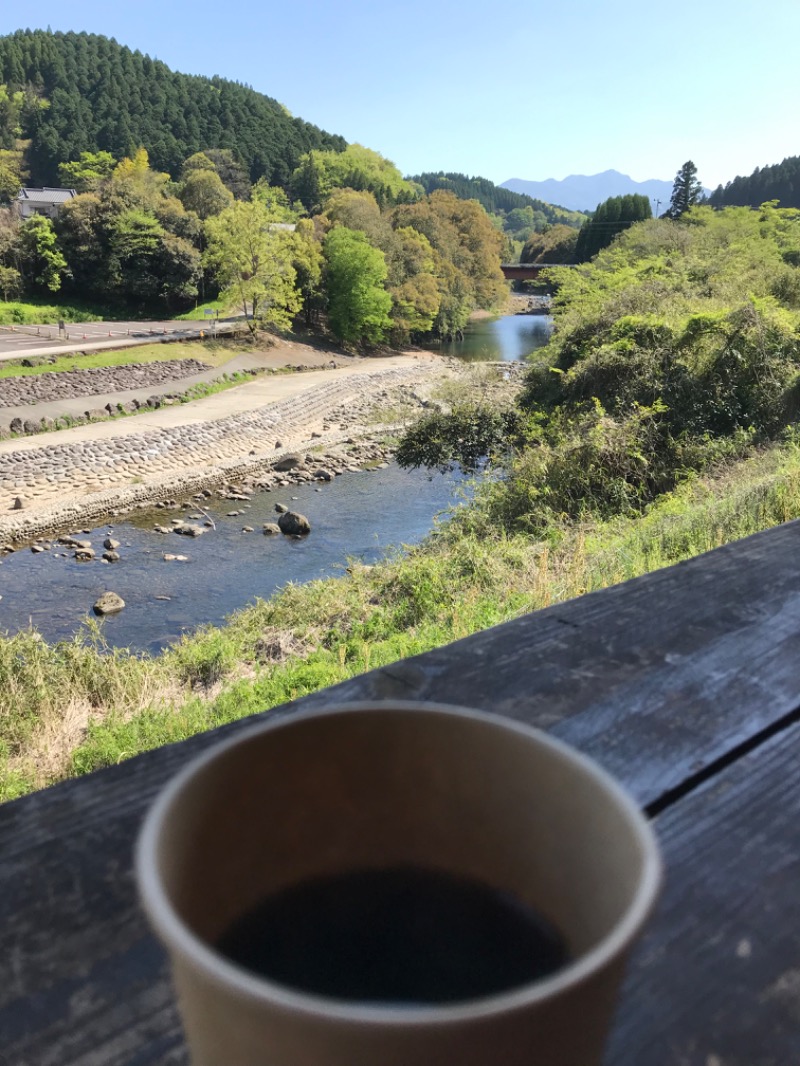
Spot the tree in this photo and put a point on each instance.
(87, 172)
(319, 173)
(556, 245)
(204, 193)
(686, 190)
(42, 262)
(611, 217)
(254, 261)
(358, 303)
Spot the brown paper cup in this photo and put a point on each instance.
(382, 785)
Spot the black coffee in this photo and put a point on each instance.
(402, 935)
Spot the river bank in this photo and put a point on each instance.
(102, 469)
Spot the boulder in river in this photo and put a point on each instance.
(187, 529)
(281, 508)
(271, 527)
(84, 555)
(109, 603)
(111, 544)
(111, 556)
(292, 523)
(292, 461)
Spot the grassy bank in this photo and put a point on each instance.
(75, 706)
(214, 353)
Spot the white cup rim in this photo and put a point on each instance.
(181, 940)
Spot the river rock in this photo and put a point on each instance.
(292, 524)
(85, 555)
(111, 556)
(111, 544)
(323, 474)
(281, 508)
(109, 603)
(292, 461)
(271, 527)
(187, 529)
(247, 529)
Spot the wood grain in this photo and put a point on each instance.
(716, 981)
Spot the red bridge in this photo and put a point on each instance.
(527, 271)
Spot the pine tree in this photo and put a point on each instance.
(686, 190)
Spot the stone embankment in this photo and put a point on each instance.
(44, 388)
(47, 489)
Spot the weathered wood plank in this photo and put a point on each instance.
(655, 678)
(717, 979)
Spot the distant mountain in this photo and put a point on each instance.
(86, 93)
(495, 198)
(583, 192)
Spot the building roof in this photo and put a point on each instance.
(47, 196)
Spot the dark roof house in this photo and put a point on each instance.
(43, 201)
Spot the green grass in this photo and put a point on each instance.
(215, 353)
(35, 312)
(123, 704)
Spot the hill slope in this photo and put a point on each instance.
(583, 192)
(103, 96)
(494, 198)
(779, 182)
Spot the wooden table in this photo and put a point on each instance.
(685, 684)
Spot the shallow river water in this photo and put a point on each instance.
(356, 516)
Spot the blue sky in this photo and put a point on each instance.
(533, 89)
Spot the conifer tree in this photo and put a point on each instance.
(686, 190)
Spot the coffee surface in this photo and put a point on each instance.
(404, 936)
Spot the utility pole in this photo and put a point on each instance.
(658, 204)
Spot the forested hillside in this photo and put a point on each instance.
(779, 182)
(518, 215)
(79, 92)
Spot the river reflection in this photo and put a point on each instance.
(507, 339)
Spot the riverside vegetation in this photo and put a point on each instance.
(659, 423)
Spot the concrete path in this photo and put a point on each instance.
(22, 342)
(262, 391)
(77, 406)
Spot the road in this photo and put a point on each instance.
(18, 342)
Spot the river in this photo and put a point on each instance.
(506, 339)
(356, 516)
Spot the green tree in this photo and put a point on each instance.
(359, 168)
(204, 193)
(555, 245)
(358, 303)
(307, 262)
(43, 265)
(10, 282)
(253, 261)
(10, 184)
(87, 172)
(686, 190)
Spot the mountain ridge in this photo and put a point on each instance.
(583, 192)
(99, 95)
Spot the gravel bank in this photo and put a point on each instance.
(56, 487)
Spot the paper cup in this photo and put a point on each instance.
(377, 786)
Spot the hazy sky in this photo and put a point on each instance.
(533, 89)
